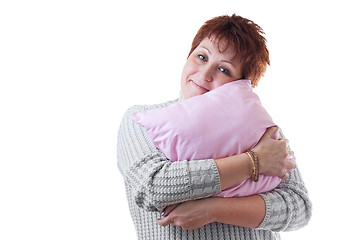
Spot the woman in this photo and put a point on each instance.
(225, 49)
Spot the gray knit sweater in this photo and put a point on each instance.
(152, 183)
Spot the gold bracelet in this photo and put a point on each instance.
(252, 160)
(256, 165)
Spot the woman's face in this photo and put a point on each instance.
(207, 68)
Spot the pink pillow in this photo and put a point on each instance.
(226, 121)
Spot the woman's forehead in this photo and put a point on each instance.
(222, 46)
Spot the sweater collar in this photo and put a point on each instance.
(181, 96)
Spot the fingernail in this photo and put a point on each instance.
(163, 213)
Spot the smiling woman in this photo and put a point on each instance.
(225, 49)
(206, 64)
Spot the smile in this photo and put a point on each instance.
(200, 87)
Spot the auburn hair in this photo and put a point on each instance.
(245, 36)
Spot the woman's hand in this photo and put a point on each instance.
(189, 215)
(244, 211)
(274, 155)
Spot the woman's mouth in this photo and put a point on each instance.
(198, 86)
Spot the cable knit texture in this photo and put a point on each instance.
(152, 183)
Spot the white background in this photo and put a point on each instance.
(69, 69)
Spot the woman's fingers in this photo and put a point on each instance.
(270, 132)
(275, 156)
(286, 141)
(168, 210)
(291, 154)
(290, 165)
(290, 162)
(165, 221)
(285, 175)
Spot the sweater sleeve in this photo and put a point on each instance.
(154, 180)
(288, 206)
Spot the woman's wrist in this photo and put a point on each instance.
(212, 207)
(256, 165)
(249, 165)
(213, 210)
(245, 211)
(234, 169)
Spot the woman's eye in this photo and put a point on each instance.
(225, 71)
(202, 57)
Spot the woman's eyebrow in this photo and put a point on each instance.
(221, 60)
(228, 62)
(206, 49)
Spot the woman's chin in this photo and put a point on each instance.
(191, 94)
(192, 90)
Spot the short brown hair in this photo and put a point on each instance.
(246, 37)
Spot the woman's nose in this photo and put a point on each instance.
(207, 73)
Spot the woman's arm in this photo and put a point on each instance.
(157, 182)
(273, 155)
(285, 208)
(245, 211)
